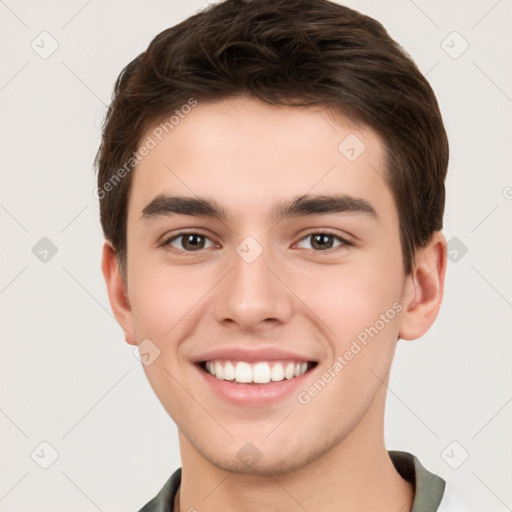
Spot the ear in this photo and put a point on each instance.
(424, 289)
(117, 293)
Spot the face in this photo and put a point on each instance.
(260, 284)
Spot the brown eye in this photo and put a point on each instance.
(324, 241)
(188, 242)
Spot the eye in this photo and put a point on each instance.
(324, 241)
(187, 242)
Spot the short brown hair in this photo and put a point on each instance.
(284, 52)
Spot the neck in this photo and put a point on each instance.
(357, 475)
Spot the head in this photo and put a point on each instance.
(242, 112)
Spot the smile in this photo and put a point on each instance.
(260, 372)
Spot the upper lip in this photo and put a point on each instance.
(241, 354)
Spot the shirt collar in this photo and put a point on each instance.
(428, 487)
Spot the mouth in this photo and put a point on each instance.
(259, 373)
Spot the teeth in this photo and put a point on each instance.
(243, 372)
(277, 372)
(219, 370)
(288, 373)
(229, 371)
(260, 373)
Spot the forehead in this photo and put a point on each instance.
(250, 156)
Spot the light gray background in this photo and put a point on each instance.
(69, 379)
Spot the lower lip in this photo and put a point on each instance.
(255, 395)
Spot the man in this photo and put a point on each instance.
(271, 184)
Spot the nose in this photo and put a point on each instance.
(254, 295)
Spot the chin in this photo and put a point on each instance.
(249, 460)
(274, 466)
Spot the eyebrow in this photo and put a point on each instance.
(306, 205)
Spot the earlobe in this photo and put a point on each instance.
(117, 293)
(424, 289)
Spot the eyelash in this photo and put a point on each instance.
(167, 242)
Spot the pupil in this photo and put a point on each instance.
(322, 241)
(193, 241)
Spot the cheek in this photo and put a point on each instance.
(360, 307)
(361, 310)
(348, 299)
(164, 300)
(161, 296)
